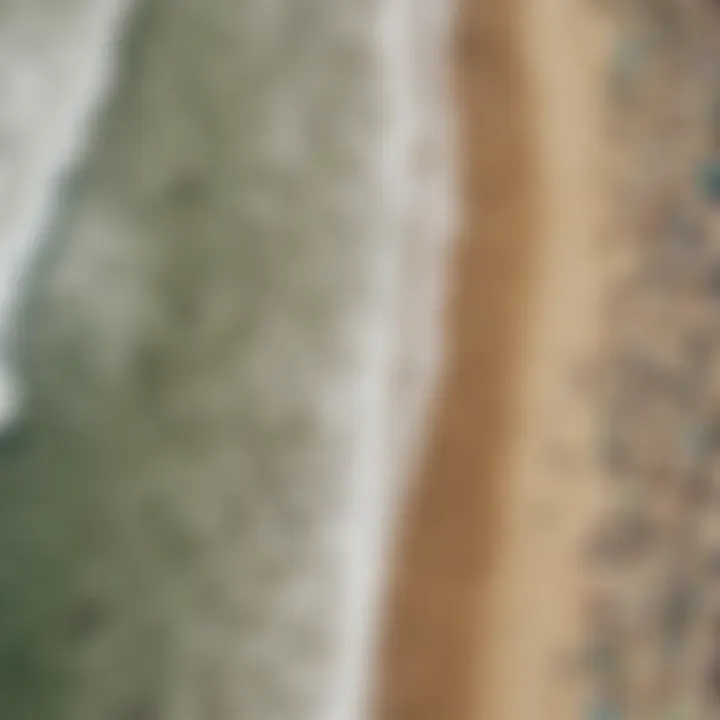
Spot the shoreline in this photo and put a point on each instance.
(448, 542)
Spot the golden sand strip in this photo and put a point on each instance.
(431, 654)
(550, 496)
(488, 590)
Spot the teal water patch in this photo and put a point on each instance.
(708, 181)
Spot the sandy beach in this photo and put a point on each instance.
(487, 596)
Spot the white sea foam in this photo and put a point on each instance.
(55, 66)
(414, 38)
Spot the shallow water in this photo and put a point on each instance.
(198, 494)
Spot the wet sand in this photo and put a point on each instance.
(450, 538)
(486, 596)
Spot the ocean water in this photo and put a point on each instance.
(221, 277)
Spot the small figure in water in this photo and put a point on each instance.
(9, 399)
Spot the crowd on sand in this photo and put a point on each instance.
(653, 563)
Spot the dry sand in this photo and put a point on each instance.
(537, 591)
(488, 591)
